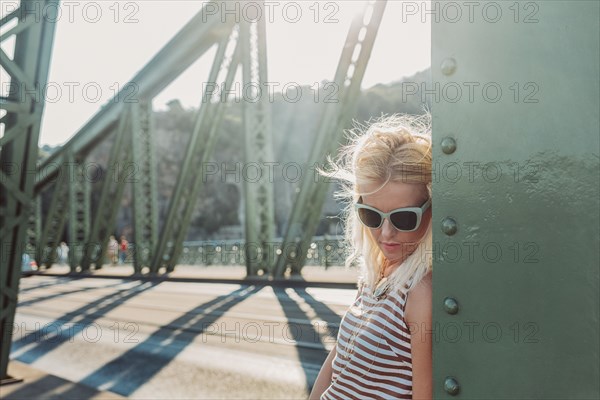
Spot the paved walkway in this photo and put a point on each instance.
(38, 384)
(310, 275)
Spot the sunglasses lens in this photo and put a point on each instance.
(404, 220)
(369, 217)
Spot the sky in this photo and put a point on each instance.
(100, 45)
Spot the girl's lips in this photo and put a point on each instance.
(390, 246)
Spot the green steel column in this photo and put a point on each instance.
(56, 216)
(516, 201)
(118, 173)
(258, 194)
(202, 141)
(28, 71)
(145, 211)
(34, 227)
(307, 208)
(79, 209)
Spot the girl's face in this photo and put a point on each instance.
(396, 245)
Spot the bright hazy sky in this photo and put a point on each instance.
(126, 35)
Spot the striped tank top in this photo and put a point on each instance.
(373, 359)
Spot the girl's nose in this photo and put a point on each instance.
(387, 229)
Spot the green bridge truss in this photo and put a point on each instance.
(516, 168)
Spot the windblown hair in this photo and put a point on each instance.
(394, 148)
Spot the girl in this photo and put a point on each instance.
(383, 348)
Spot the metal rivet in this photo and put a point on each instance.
(449, 226)
(448, 145)
(451, 386)
(450, 305)
(448, 66)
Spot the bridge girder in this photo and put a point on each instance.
(28, 71)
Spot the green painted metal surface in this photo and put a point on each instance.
(522, 187)
(145, 207)
(34, 227)
(259, 217)
(28, 69)
(79, 211)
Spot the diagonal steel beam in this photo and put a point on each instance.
(111, 193)
(56, 217)
(307, 208)
(203, 31)
(203, 139)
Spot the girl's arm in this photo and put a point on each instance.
(325, 374)
(418, 315)
(324, 378)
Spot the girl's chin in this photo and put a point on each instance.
(392, 255)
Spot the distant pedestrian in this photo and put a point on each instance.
(113, 250)
(123, 249)
(63, 253)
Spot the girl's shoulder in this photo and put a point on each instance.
(426, 279)
(419, 300)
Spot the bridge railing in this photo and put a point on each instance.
(327, 250)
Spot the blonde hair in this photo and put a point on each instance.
(394, 148)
